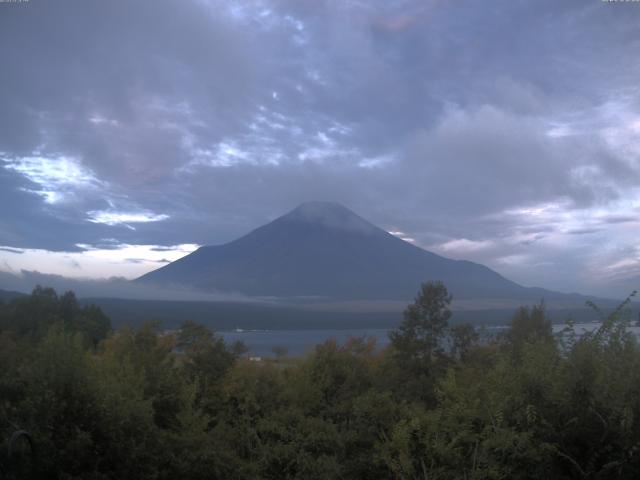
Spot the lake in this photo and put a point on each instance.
(299, 342)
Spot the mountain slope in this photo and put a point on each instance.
(7, 295)
(325, 250)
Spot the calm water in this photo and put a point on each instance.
(299, 342)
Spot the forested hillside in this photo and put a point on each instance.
(80, 401)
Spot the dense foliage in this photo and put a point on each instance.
(78, 401)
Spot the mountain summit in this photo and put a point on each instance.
(325, 250)
(329, 215)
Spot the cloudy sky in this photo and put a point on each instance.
(505, 132)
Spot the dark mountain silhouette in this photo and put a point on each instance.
(7, 295)
(325, 250)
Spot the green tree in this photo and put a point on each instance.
(425, 324)
(32, 316)
(207, 358)
(463, 338)
(530, 324)
(417, 345)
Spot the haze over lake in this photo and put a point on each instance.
(300, 342)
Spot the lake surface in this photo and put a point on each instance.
(298, 342)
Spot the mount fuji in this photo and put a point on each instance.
(323, 250)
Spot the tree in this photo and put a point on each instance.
(207, 358)
(463, 338)
(32, 316)
(417, 357)
(528, 325)
(425, 323)
(92, 323)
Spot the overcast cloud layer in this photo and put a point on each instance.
(504, 132)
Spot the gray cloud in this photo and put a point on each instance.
(12, 250)
(583, 231)
(499, 130)
(620, 219)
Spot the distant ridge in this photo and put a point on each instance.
(323, 250)
(7, 295)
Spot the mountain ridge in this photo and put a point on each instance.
(324, 250)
